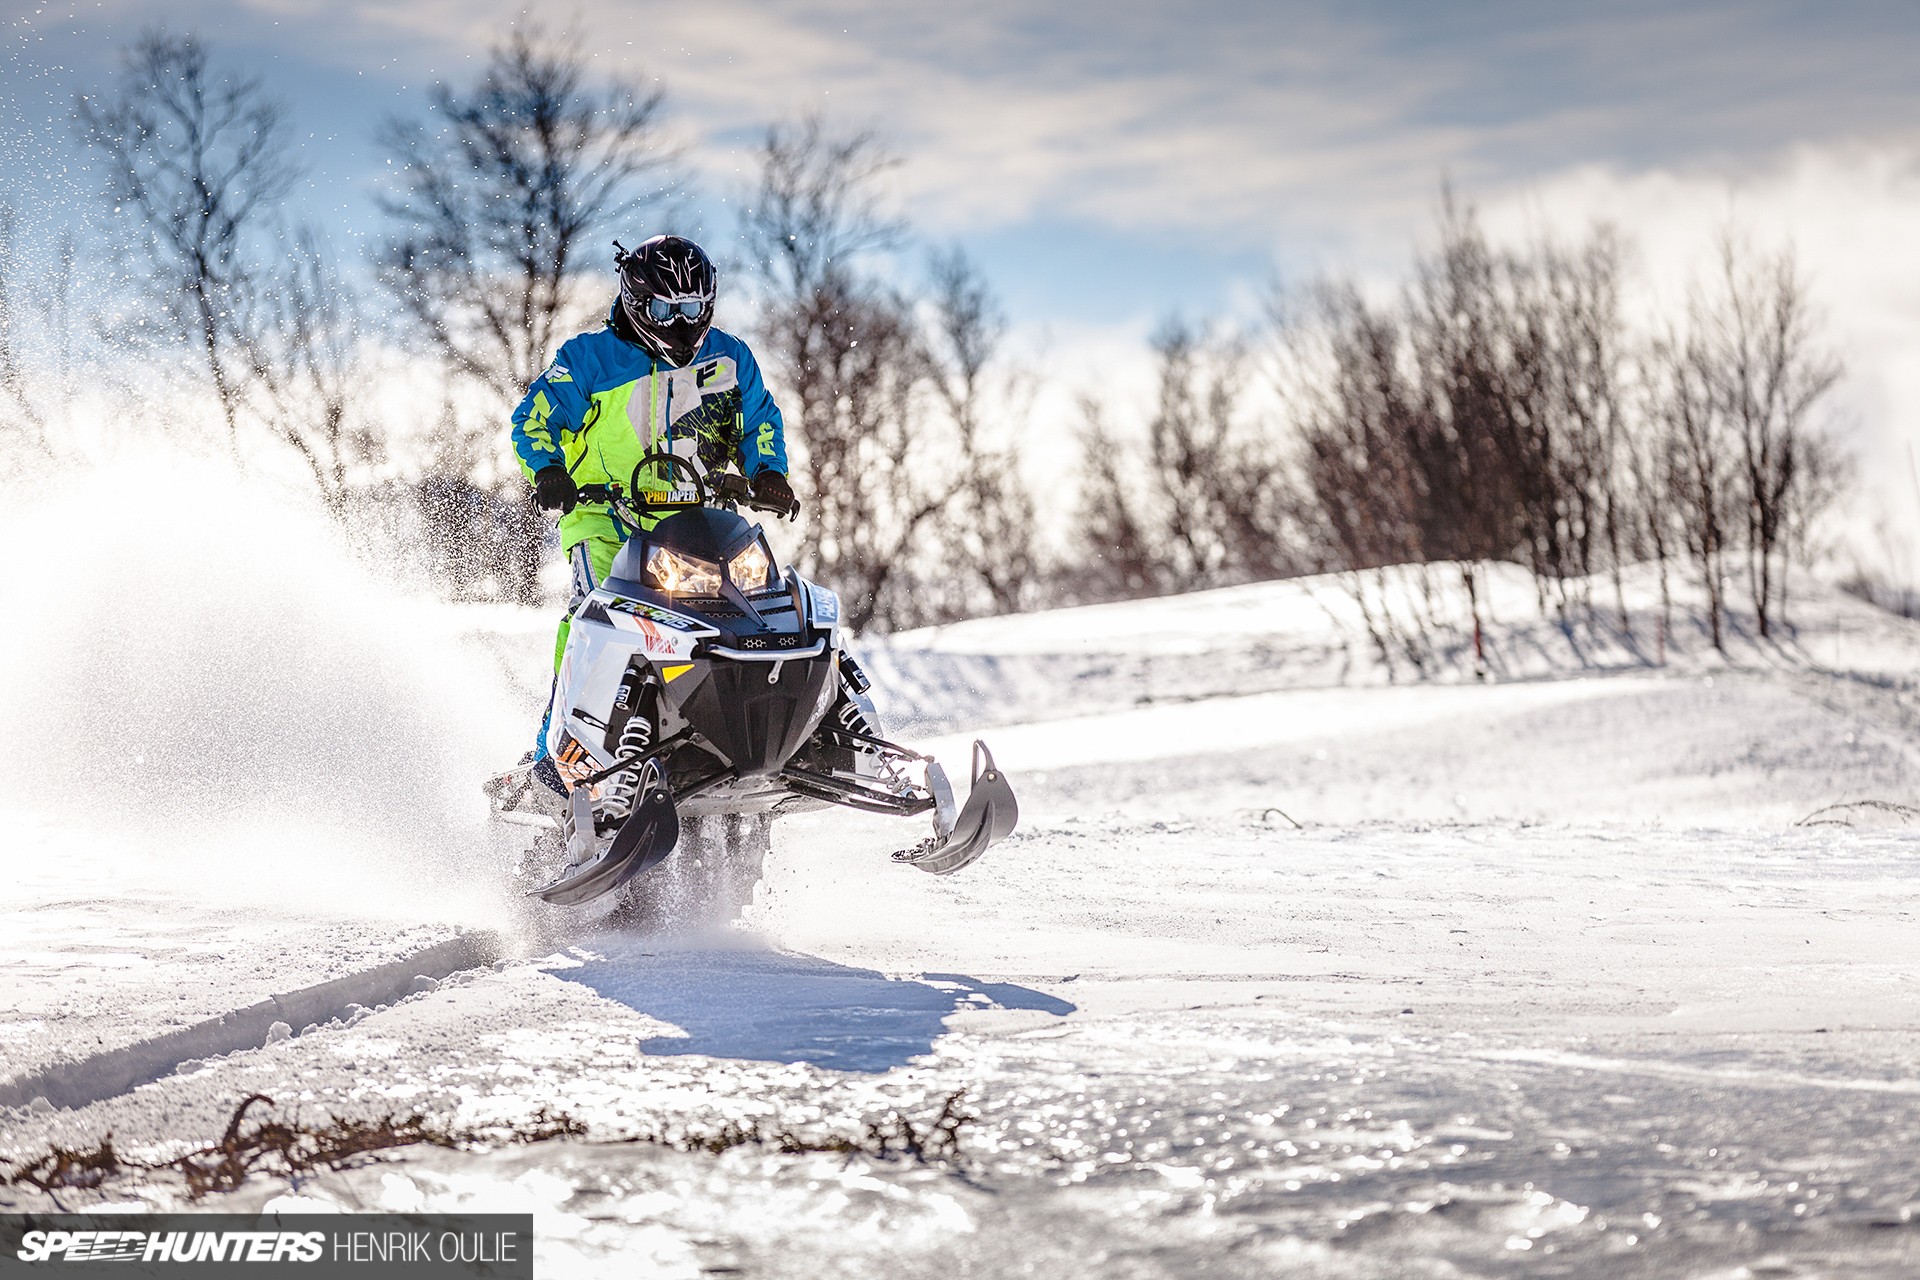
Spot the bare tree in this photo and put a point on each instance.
(1505, 411)
(1187, 446)
(1654, 461)
(310, 367)
(874, 484)
(1484, 419)
(500, 191)
(816, 209)
(1701, 452)
(1126, 557)
(1205, 501)
(1376, 467)
(1486, 433)
(1732, 420)
(198, 162)
(1767, 374)
(1590, 354)
(987, 535)
(847, 353)
(1823, 476)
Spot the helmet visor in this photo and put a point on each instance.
(664, 310)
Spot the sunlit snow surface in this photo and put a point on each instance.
(1290, 970)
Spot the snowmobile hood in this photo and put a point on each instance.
(704, 533)
(710, 534)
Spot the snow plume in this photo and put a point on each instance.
(196, 669)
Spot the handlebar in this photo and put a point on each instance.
(726, 490)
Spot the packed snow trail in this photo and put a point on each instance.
(1355, 1051)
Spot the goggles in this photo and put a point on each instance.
(661, 310)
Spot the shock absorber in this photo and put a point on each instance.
(636, 740)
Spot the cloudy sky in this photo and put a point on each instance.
(1110, 164)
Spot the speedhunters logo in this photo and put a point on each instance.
(172, 1246)
(313, 1246)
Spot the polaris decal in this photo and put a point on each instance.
(663, 643)
(653, 613)
(654, 640)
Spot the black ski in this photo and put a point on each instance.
(643, 842)
(988, 816)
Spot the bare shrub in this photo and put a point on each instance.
(288, 1147)
(1502, 410)
(1204, 501)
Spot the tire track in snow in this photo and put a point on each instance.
(76, 1083)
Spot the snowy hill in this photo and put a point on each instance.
(1311, 633)
(1297, 964)
(1273, 695)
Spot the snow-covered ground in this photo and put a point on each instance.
(1291, 969)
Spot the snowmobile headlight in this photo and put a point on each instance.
(752, 568)
(679, 575)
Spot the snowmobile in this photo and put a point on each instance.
(704, 691)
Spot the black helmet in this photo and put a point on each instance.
(666, 290)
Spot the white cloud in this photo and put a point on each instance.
(1235, 116)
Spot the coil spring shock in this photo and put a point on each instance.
(617, 793)
(853, 715)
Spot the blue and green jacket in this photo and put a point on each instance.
(604, 402)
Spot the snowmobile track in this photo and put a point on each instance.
(79, 1082)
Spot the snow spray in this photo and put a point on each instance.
(193, 665)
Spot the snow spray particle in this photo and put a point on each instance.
(199, 670)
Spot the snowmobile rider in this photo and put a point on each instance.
(657, 376)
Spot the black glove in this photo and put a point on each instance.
(554, 490)
(770, 489)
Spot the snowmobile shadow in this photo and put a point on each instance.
(772, 1006)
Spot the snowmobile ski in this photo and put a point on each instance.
(988, 816)
(643, 842)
